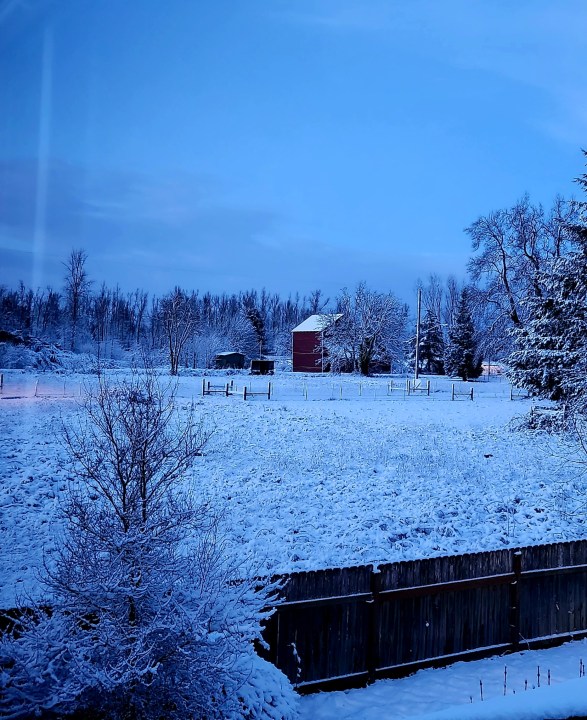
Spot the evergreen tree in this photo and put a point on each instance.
(549, 357)
(431, 351)
(461, 357)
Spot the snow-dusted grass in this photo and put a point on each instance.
(319, 482)
(454, 692)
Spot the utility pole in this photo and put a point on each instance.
(416, 373)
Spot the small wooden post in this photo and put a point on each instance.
(471, 393)
(515, 600)
(1, 382)
(452, 397)
(36, 387)
(373, 632)
(341, 391)
(428, 388)
(226, 389)
(245, 393)
(64, 388)
(269, 392)
(408, 386)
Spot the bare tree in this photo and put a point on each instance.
(316, 302)
(149, 616)
(512, 246)
(372, 328)
(77, 286)
(432, 295)
(451, 301)
(138, 300)
(179, 321)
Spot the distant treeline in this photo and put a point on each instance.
(523, 302)
(84, 317)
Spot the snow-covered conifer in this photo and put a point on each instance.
(431, 350)
(549, 357)
(461, 356)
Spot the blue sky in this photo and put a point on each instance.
(230, 144)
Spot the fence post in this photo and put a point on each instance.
(269, 392)
(36, 388)
(428, 387)
(515, 600)
(372, 659)
(452, 397)
(226, 389)
(471, 393)
(245, 393)
(1, 382)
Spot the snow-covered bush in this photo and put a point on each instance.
(146, 614)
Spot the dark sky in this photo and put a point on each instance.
(230, 144)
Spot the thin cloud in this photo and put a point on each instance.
(123, 220)
(536, 44)
(8, 8)
(339, 16)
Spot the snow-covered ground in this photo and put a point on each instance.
(336, 472)
(308, 480)
(454, 692)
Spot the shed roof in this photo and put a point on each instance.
(316, 323)
(229, 352)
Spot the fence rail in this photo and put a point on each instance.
(346, 627)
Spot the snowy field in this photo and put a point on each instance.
(336, 472)
(329, 472)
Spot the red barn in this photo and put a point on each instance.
(308, 354)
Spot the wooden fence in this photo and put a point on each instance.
(347, 627)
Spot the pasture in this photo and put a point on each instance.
(332, 471)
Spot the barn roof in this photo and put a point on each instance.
(316, 323)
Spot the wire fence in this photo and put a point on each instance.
(284, 387)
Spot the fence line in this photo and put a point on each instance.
(347, 627)
(383, 389)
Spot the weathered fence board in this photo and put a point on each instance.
(304, 631)
(348, 626)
